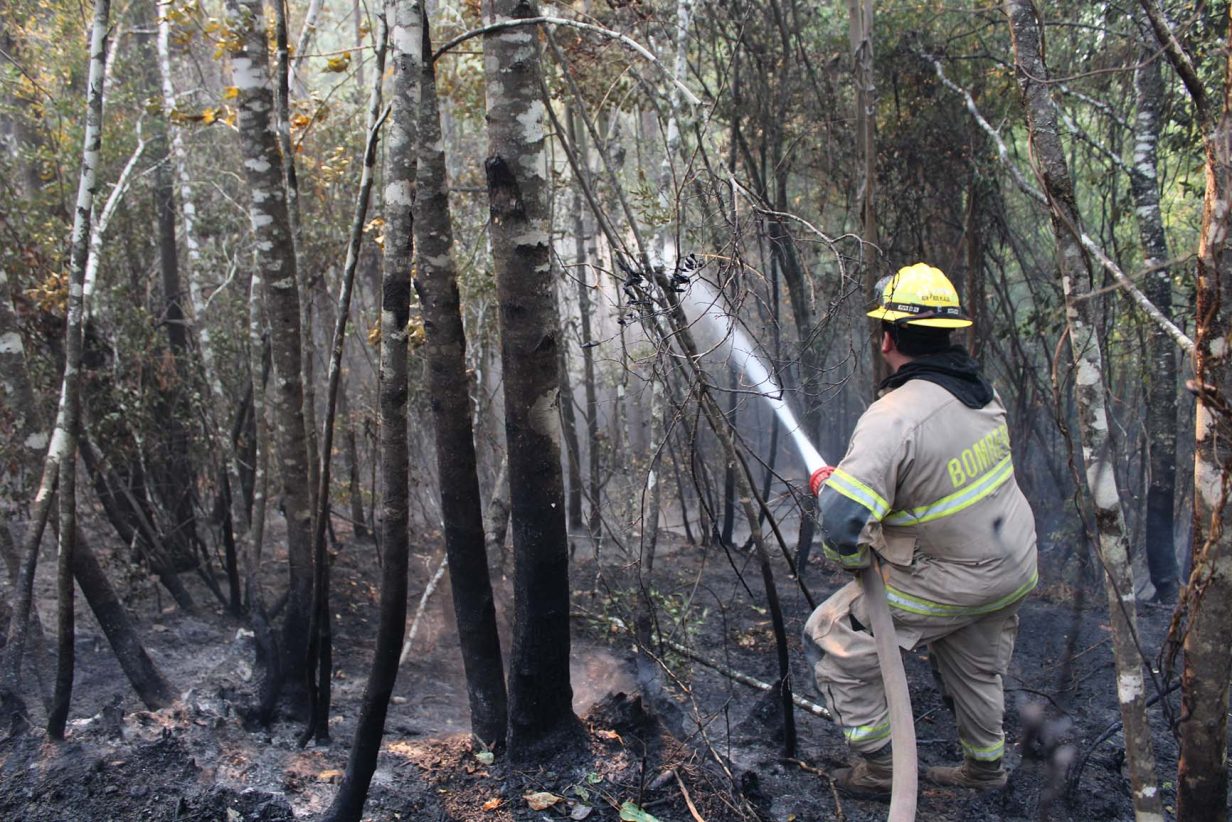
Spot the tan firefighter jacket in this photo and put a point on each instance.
(929, 483)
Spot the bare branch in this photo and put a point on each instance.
(1135, 294)
(624, 40)
(1179, 58)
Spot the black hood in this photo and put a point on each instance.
(953, 369)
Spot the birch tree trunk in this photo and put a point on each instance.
(1202, 779)
(586, 255)
(319, 651)
(176, 473)
(406, 41)
(27, 442)
(305, 40)
(64, 439)
(1082, 321)
(1161, 351)
(290, 180)
(193, 268)
(275, 257)
(445, 349)
(541, 718)
(30, 440)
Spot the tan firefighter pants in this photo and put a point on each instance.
(970, 652)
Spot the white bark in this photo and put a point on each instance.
(1123, 280)
(99, 226)
(1091, 397)
(188, 219)
(305, 40)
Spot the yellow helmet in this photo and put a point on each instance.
(919, 295)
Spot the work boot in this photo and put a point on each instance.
(983, 776)
(869, 774)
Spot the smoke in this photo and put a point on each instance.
(718, 330)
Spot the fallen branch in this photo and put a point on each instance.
(745, 679)
(423, 601)
(688, 800)
(1076, 773)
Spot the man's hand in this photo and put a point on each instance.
(856, 560)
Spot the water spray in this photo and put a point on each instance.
(717, 329)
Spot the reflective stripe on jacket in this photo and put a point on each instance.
(930, 484)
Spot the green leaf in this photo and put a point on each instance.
(632, 813)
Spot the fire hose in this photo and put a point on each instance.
(904, 787)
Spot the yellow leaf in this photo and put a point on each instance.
(300, 121)
(340, 63)
(329, 776)
(209, 115)
(541, 800)
(416, 334)
(230, 92)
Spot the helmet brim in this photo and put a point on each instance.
(906, 318)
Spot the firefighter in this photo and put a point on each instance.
(928, 483)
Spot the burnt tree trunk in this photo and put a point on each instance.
(64, 440)
(1161, 350)
(348, 804)
(249, 51)
(147, 680)
(448, 384)
(541, 718)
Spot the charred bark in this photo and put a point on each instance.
(1161, 351)
(64, 439)
(395, 313)
(541, 718)
(249, 51)
(445, 350)
(1202, 778)
(147, 680)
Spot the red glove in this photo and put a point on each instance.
(819, 478)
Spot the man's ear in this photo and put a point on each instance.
(887, 342)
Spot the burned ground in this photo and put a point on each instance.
(685, 743)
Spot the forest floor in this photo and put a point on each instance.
(710, 749)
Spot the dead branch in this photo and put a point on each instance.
(745, 679)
